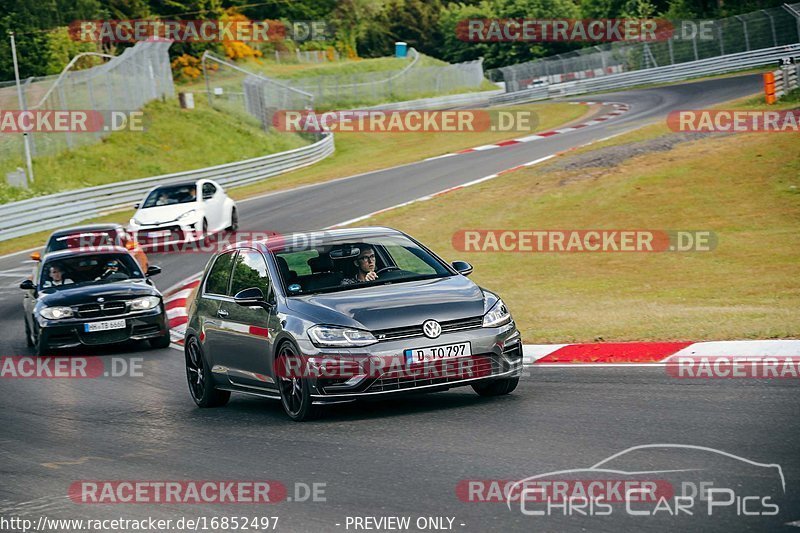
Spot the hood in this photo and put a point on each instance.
(393, 306)
(163, 213)
(81, 294)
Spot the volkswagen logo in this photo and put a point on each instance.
(431, 328)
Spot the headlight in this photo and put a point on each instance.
(497, 315)
(54, 313)
(333, 336)
(187, 214)
(144, 303)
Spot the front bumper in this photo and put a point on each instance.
(69, 333)
(153, 237)
(496, 353)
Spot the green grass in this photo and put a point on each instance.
(175, 140)
(746, 188)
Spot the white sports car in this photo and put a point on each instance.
(184, 211)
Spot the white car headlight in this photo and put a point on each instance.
(135, 222)
(144, 303)
(55, 313)
(497, 315)
(188, 214)
(333, 336)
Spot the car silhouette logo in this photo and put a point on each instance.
(431, 328)
(101, 300)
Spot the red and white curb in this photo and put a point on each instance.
(175, 300)
(619, 109)
(604, 354)
(652, 353)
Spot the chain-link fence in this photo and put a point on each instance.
(236, 90)
(691, 41)
(124, 83)
(248, 95)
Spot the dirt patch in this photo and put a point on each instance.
(612, 156)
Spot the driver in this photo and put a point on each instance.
(111, 272)
(365, 264)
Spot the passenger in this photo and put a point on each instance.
(57, 277)
(365, 264)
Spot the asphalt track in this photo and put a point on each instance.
(400, 457)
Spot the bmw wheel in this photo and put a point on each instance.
(201, 386)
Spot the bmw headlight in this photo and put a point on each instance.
(144, 303)
(55, 313)
(497, 315)
(188, 214)
(334, 336)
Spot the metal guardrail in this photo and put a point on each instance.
(439, 102)
(679, 72)
(57, 210)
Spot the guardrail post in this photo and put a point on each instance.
(796, 14)
(772, 25)
(744, 28)
(721, 41)
(694, 47)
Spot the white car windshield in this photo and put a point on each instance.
(171, 195)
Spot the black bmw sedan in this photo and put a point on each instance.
(337, 316)
(90, 297)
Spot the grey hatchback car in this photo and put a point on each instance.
(336, 316)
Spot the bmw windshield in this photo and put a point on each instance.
(311, 265)
(69, 271)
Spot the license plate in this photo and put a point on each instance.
(104, 326)
(165, 233)
(438, 353)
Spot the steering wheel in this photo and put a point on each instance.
(387, 269)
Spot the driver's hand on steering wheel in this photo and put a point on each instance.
(370, 276)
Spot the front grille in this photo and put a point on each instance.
(416, 330)
(99, 310)
(440, 373)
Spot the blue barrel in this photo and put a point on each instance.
(400, 49)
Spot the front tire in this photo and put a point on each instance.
(234, 220)
(497, 387)
(198, 374)
(295, 391)
(160, 342)
(28, 336)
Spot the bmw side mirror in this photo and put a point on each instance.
(152, 270)
(252, 297)
(463, 268)
(27, 285)
(36, 256)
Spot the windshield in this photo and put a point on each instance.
(170, 195)
(90, 268)
(83, 240)
(338, 265)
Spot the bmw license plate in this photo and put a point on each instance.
(104, 326)
(438, 353)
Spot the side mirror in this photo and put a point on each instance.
(36, 256)
(463, 268)
(152, 270)
(27, 285)
(252, 297)
(136, 205)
